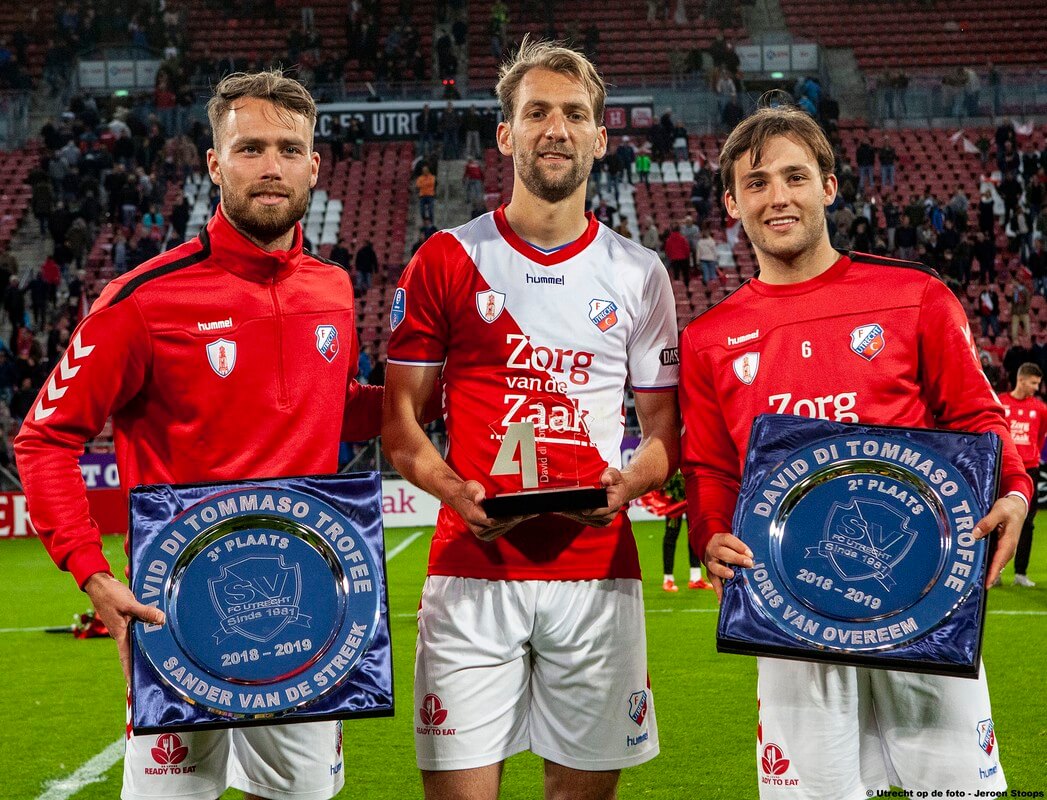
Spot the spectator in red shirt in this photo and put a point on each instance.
(678, 253)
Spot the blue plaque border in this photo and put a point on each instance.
(366, 692)
(951, 648)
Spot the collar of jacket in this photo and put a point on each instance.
(234, 252)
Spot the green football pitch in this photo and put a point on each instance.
(62, 700)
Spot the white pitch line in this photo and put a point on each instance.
(95, 769)
(91, 772)
(403, 546)
(716, 611)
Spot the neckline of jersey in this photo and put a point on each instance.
(237, 254)
(803, 287)
(554, 258)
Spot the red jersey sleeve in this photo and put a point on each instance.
(104, 367)
(956, 390)
(420, 328)
(709, 458)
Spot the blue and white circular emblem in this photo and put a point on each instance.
(861, 543)
(272, 599)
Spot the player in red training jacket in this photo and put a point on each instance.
(228, 358)
(849, 338)
(1027, 416)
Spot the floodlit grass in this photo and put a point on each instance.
(62, 700)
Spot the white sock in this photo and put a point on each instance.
(667, 578)
(696, 574)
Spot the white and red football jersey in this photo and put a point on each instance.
(550, 338)
(871, 340)
(1028, 423)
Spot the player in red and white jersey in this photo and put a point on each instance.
(850, 338)
(1027, 416)
(531, 630)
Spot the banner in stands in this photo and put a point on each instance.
(399, 120)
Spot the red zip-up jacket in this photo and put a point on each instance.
(217, 361)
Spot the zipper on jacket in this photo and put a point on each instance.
(281, 379)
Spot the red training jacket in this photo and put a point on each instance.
(217, 361)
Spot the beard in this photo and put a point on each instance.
(264, 223)
(556, 187)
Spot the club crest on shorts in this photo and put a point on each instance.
(865, 539)
(327, 341)
(746, 366)
(169, 750)
(604, 314)
(221, 355)
(987, 736)
(638, 706)
(399, 310)
(868, 341)
(490, 305)
(253, 585)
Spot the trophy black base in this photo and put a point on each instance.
(545, 501)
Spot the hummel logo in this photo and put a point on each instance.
(748, 337)
(66, 370)
(217, 325)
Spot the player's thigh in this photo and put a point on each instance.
(281, 762)
(939, 731)
(592, 707)
(185, 765)
(564, 783)
(480, 783)
(472, 672)
(817, 737)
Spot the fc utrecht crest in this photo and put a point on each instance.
(868, 340)
(327, 341)
(221, 354)
(604, 314)
(746, 366)
(490, 305)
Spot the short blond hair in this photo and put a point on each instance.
(754, 131)
(555, 57)
(271, 85)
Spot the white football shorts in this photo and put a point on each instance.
(843, 733)
(555, 667)
(301, 761)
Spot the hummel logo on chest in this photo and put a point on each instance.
(217, 325)
(747, 337)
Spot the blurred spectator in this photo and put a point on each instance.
(366, 265)
(678, 254)
(426, 186)
(989, 312)
(1018, 296)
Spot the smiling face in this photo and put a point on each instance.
(781, 202)
(264, 163)
(553, 136)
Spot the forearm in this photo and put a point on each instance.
(412, 453)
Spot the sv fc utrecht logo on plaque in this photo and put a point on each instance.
(221, 355)
(746, 366)
(490, 305)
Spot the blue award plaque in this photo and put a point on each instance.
(275, 598)
(862, 546)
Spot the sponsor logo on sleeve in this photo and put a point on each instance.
(327, 341)
(670, 356)
(399, 309)
(490, 304)
(221, 355)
